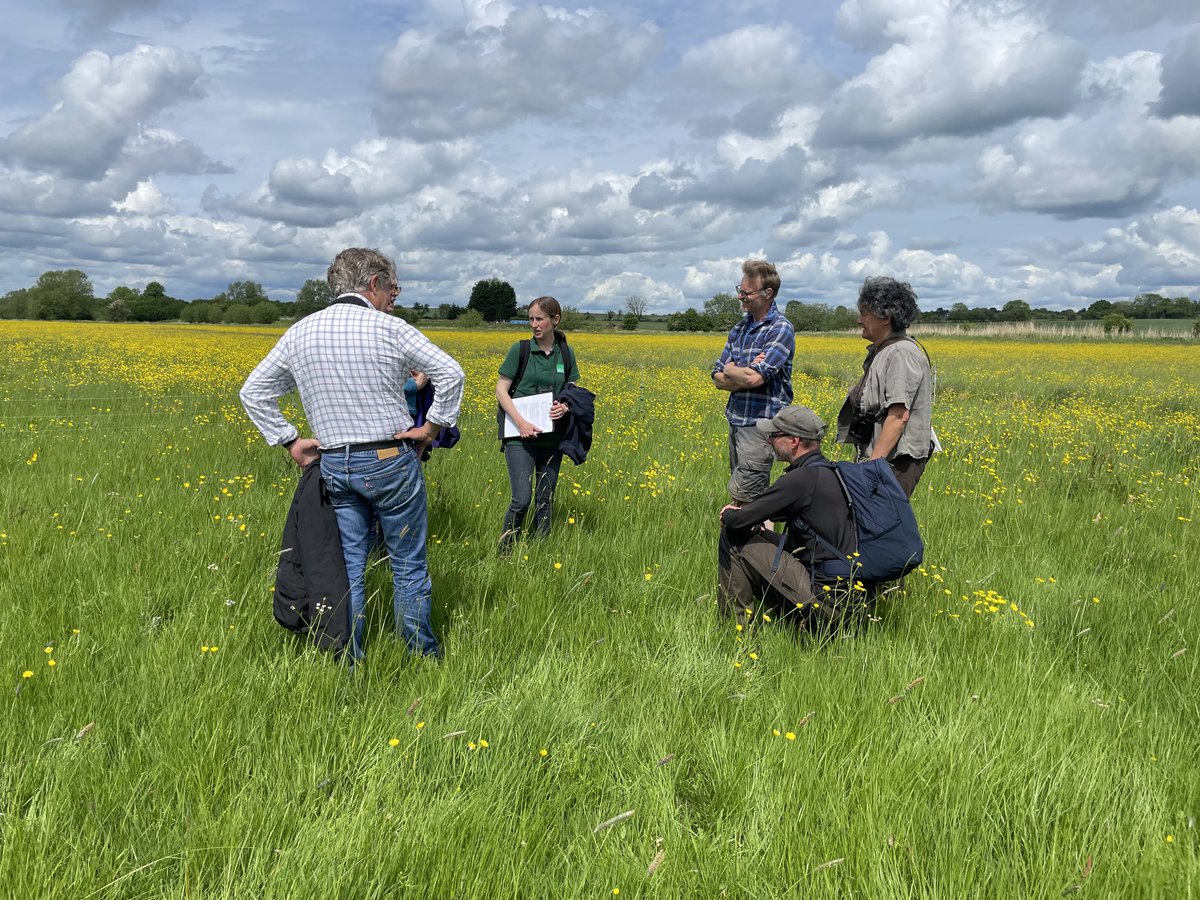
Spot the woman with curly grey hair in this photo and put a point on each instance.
(889, 412)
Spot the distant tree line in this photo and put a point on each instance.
(68, 294)
(723, 310)
(1143, 306)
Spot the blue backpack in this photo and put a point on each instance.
(889, 542)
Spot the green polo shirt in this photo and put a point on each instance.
(543, 372)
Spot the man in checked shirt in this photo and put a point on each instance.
(756, 369)
(349, 363)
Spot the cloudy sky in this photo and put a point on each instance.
(984, 151)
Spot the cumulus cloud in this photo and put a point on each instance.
(947, 68)
(577, 215)
(751, 61)
(1162, 248)
(104, 101)
(146, 200)
(536, 62)
(1111, 159)
(611, 292)
(1181, 78)
(832, 207)
(311, 192)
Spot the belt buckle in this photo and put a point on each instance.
(387, 452)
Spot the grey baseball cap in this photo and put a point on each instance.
(796, 420)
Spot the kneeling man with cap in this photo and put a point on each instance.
(756, 575)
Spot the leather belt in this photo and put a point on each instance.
(383, 449)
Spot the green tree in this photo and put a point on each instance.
(472, 318)
(1118, 323)
(1182, 308)
(724, 309)
(843, 317)
(689, 320)
(237, 314)
(493, 299)
(119, 303)
(959, 312)
(630, 322)
(15, 304)
(264, 312)
(153, 305)
(572, 319)
(808, 316)
(450, 311)
(63, 294)
(312, 297)
(248, 292)
(1016, 311)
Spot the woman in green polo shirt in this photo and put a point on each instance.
(533, 459)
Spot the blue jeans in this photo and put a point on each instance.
(363, 488)
(533, 475)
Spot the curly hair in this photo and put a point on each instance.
(353, 269)
(889, 299)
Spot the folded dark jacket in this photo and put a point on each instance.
(577, 435)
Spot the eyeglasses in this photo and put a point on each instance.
(777, 434)
(742, 295)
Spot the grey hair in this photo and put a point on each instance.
(353, 269)
(889, 299)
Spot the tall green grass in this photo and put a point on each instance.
(184, 745)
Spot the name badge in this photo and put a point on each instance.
(560, 369)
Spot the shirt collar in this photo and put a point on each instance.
(810, 456)
(772, 313)
(359, 296)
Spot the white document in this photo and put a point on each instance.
(534, 409)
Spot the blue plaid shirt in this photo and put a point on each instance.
(775, 337)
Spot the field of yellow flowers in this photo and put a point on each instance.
(1021, 721)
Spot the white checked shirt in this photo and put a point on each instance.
(349, 362)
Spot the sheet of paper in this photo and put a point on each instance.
(535, 410)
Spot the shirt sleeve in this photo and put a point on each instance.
(269, 381)
(444, 373)
(781, 345)
(770, 504)
(725, 356)
(508, 368)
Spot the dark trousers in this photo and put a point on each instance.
(908, 471)
(746, 586)
(533, 475)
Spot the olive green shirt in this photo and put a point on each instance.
(543, 372)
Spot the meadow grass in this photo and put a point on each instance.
(1019, 722)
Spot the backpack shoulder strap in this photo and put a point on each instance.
(522, 362)
(567, 356)
(803, 524)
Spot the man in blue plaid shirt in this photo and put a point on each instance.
(756, 368)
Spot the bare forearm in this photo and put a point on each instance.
(889, 433)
